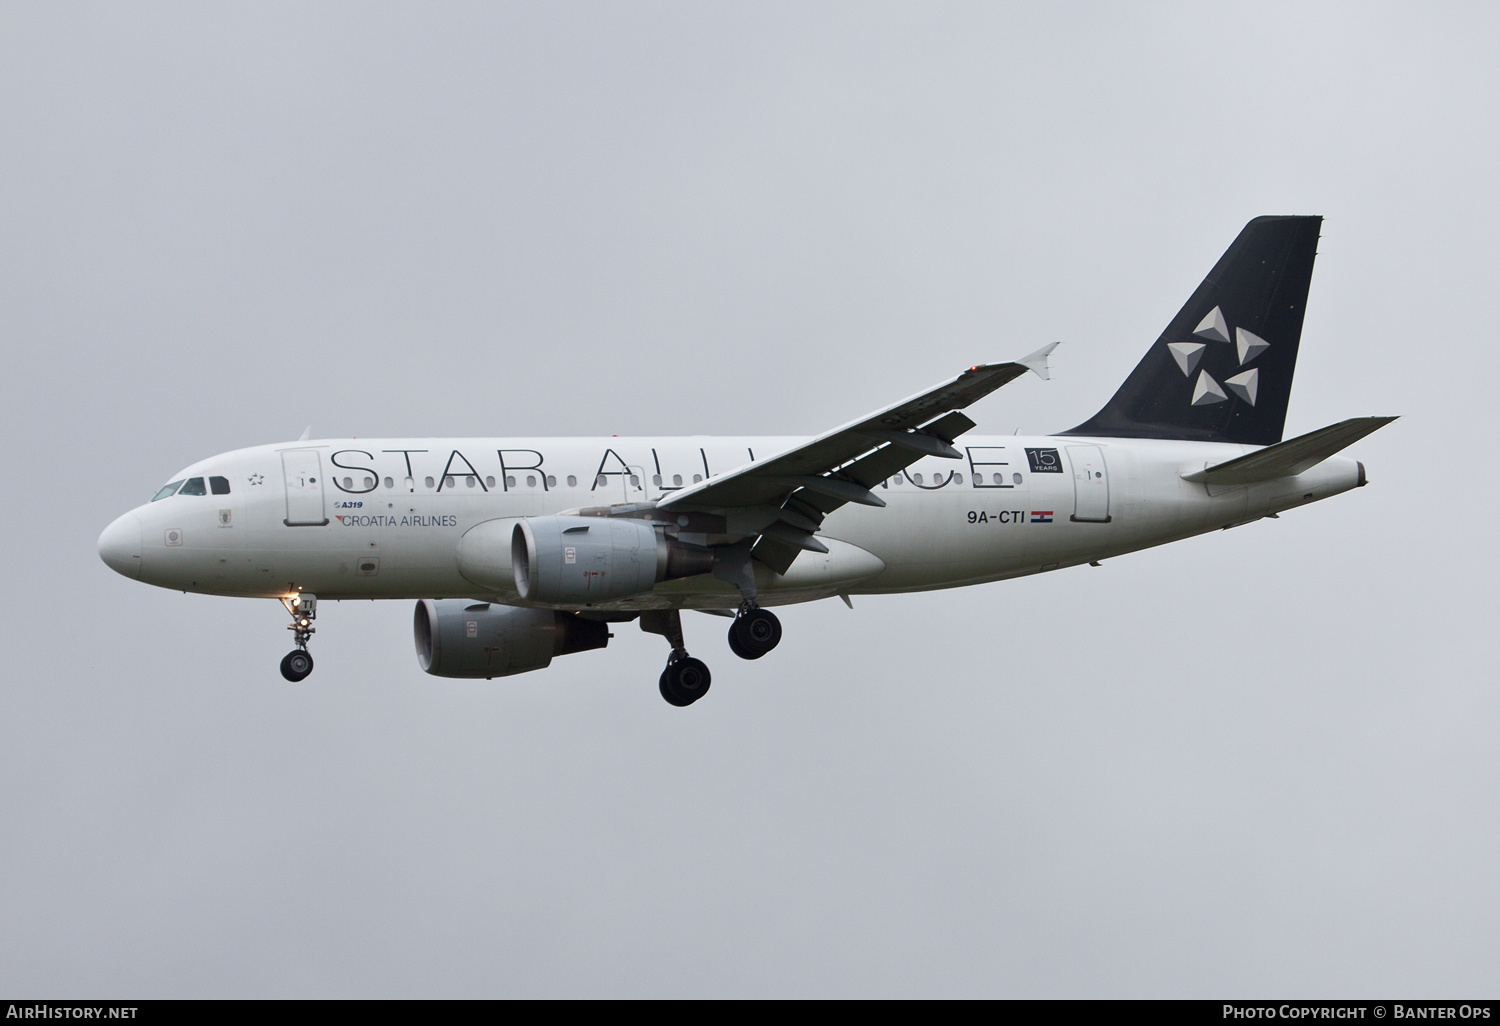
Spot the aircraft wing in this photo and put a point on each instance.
(785, 498)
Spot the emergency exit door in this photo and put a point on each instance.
(1090, 484)
(304, 488)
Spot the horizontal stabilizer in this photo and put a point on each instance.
(1292, 457)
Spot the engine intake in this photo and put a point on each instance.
(460, 638)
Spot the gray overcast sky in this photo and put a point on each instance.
(1262, 762)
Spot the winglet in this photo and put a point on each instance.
(306, 434)
(1037, 362)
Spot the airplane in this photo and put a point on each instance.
(520, 550)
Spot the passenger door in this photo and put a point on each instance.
(1090, 484)
(302, 469)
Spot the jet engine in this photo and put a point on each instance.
(460, 638)
(567, 560)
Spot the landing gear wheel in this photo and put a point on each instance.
(296, 665)
(684, 681)
(670, 694)
(754, 634)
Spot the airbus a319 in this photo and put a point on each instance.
(520, 550)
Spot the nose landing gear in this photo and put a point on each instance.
(755, 632)
(298, 663)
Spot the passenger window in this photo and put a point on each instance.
(572, 481)
(551, 481)
(389, 483)
(468, 480)
(697, 478)
(429, 482)
(1016, 478)
(510, 480)
(917, 478)
(166, 490)
(193, 486)
(676, 480)
(958, 478)
(448, 481)
(489, 482)
(220, 485)
(369, 483)
(656, 480)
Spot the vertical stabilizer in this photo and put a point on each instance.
(1222, 371)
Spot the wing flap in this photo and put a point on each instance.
(899, 426)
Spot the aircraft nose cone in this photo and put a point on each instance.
(120, 546)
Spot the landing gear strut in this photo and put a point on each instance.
(755, 632)
(298, 663)
(685, 680)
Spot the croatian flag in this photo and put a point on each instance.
(1041, 516)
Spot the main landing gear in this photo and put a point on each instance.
(755, 632)
(685, 680)
(298, 663)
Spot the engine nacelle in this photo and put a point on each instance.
(460, 638)
(579, 560)
(484, 557)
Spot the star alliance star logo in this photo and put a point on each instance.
(256, 479)
(1207, 391)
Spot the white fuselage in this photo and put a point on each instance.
(385, 518)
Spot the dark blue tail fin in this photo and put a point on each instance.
(1222, 371)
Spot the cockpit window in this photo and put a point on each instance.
(167, 489)
(193, 486)
(220, 485)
